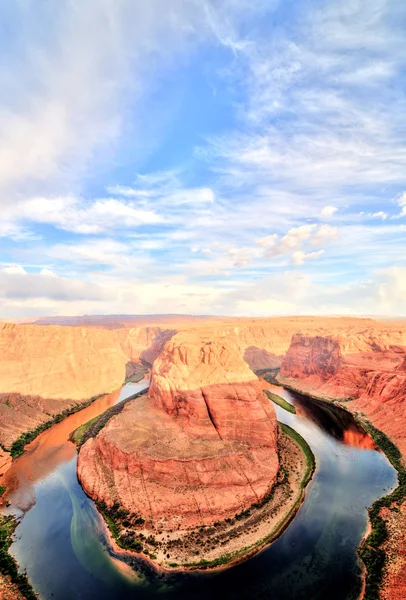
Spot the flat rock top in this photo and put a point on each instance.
(143, 429)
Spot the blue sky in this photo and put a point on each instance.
(235, 157)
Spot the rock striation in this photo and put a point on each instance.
(47, 369)
(376, 382)
(199, 449)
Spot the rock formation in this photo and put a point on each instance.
(47, 369)
(44, 369)
(202, 447)
(312, 355)
(376, 380)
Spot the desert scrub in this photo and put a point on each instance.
(371, 551)
(118, 521)
(91, 428)
(281, 402)
(8, 565)
(19, 444)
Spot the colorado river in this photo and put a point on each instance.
(61, 539)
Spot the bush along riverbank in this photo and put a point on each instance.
(8, 565)
(18, 446)
(281, 402)
(91, 428)
(372, 551)
(228, 542)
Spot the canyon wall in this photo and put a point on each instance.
(375, 381)
(47, 369)
(200, 448)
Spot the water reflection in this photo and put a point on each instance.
(61, 540)
(332, 419)
(52, 448)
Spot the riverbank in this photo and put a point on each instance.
(378, 551)
(281, 402)
(382, 551)
(92, 427)
(18, 446)
(223, 544)
(11, 581)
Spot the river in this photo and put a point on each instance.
(61, 539)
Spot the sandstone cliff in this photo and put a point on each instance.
(199, 449)
(47, 369)
(376, 380)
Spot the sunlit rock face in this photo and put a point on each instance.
(45, 370)
(375, 380)
(200, 448)
(309, 355)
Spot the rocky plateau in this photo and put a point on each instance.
(201, 447)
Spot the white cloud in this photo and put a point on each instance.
(324, 234)
(299, 257)
(293, 242)
(15, 269)
(380, 215)
(71, 214)
(328, 211)
(78, 79)
(16, 286)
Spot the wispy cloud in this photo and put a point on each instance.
(289, 199)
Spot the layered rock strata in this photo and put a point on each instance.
(376, 382)
(45, 370)
(200, 448)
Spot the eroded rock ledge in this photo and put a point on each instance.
(199, 449)
(189, 475)
(373, 385)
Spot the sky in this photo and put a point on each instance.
(227, 157)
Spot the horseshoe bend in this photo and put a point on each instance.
(209, 465)
(199, 454)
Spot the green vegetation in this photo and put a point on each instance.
(135, 372)
(371, 551)
(79, 433)
(247, 550)
(269, 375)
(91, 428)
(118, 521)
(310, 459)
(8, 565)
(281, 402)
(19, 444)
(312, 396)
(2, 490)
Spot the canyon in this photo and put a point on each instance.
(201, 447)
(48, 368)
(371, 385)
(204, 440)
